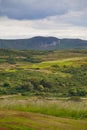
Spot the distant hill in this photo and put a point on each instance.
(43, 43)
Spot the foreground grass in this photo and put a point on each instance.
(60, 108)
(15, 120)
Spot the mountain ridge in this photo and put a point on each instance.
(43, 43)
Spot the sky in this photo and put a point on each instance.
(21, 19)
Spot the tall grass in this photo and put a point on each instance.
(60, 108)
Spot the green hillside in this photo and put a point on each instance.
(43, 90)
(45, 73)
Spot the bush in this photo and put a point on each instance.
(75, 98)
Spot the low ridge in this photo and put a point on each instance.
(43, 43)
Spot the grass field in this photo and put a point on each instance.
(15, 120)
(56, 107)
(24, 113)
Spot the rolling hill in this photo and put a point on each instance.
(43, 43)
(52, 73)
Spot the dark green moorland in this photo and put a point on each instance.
(43, 90)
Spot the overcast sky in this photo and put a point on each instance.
(28, 18)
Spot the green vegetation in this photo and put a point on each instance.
(32, 113)
(14, 120)
(43, 73)
(69, 108)
(43, 90)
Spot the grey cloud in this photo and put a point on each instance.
(77, 4)
(77, 18)
(72, 12)
(33, 9)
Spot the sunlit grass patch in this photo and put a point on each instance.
(66, 62)
(10, 70)
(61, 74)
(50, 63)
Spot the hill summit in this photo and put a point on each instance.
(43, 43)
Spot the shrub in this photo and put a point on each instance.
(75, 98)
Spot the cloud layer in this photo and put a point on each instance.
(37, 9)
(27, 18)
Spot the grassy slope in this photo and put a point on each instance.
(56, 64)
(17, 120)
(14, 120)
(48, 58)
(67, 62)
